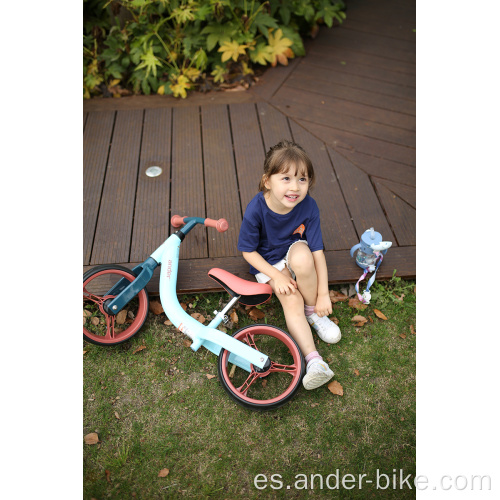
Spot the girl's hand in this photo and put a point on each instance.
(323, 306)
(284, 285)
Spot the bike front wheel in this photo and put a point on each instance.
(102, 328)
(275, 384)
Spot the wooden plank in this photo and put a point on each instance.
(398, 19)
(327, 106)
(188, 189)
(360, 197)
(401, 216)
(359, 64)
(114, 226)
(152, 205)
(369, 43)
(334, 57)
(221, 187)
(96, 140)
(354, 142)
(166, 101)
(249, 150)
(326, 77)
(381, 167)
(193, 277)
(344, 91)
(349, 124)
(399, 29)
(273, 124)
(336, 224)
(349, 94)
(405, 192)
(273, 79)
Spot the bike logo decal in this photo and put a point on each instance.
(169, 269)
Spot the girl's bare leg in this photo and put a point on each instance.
(296, 322)
(301, 261)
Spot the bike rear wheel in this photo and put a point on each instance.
(102, 328)
(274, 385)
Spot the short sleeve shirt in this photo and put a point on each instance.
(271, 234)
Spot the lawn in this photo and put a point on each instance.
(167, 429)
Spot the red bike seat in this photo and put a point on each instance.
(251, 293)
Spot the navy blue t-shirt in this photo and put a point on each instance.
(271, 234)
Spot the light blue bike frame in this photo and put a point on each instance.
(212, 339)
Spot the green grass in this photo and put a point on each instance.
(171, 415)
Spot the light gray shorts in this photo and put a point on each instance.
(264, 278)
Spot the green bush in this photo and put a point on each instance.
(169, 47)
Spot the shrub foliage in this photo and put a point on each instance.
(170, 47)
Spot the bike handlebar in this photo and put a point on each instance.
(221, 225)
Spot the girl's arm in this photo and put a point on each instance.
(323, 302)
(282, 283)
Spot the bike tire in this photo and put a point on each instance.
(286, 359)
(96, 282)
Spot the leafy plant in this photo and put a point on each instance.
(170, 47)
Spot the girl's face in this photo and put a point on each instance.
(286, 189)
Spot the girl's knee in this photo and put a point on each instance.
(301, 260)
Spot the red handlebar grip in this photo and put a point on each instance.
(221, 225)
(177, 221)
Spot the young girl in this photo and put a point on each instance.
(280, 238)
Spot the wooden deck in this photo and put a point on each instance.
(350, 102)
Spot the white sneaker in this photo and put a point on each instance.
(327, 330)
(318, 373)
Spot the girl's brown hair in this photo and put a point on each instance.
(279, 159)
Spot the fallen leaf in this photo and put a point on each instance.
(231, 373)
(84, 352)
(95, 320)
(163, 473)
(209, 376)
(314, 404)
(356, 372)
(234, 317)
(140, 348)
(359, 319)
(116, 415)
(108, 474)
(337, 296)
(336, 388)
(256, 314)
(168, 323)
(264, 383)
(402, 335)
(155, 307)
(412, 330)
(184, 306)
(187, 343)
(355, 302)
(121, 317)
(86, 313)
(198, 317)
(379, 314)
(91, 438)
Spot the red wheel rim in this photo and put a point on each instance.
(248, 335)
(112, 335)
